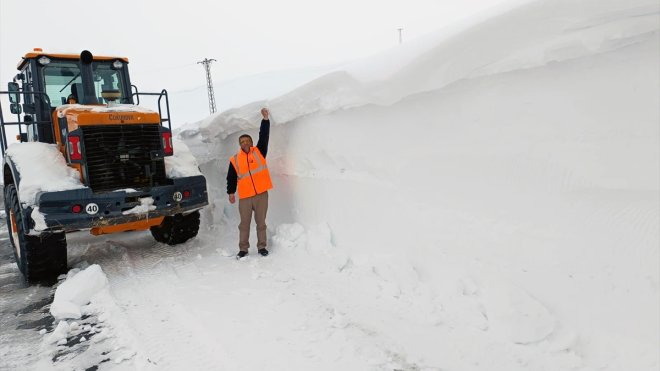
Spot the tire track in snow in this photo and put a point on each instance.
(169, 335)
(143, 277)
(335, 290)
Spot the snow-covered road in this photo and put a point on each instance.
(196, 307)
(23, 310)
(307, 306)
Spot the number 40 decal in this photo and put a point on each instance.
(92, 208)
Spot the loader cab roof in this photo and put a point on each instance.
(38, 53)
(61, 77)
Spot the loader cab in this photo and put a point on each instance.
(67, 79)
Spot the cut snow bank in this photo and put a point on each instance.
(76, 291)
(532, 35)
(517, 161)
(529, 36)
(189, 106)
(325, 94)
(42, 169)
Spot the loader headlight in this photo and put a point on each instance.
(117, 65)
(43, 61)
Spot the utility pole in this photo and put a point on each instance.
(400, 36)
(209, 83)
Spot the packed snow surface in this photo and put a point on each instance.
(484, 200)
(37, 162)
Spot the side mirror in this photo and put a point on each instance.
(15, 108)
(14, 96)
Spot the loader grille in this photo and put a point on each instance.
(120, 156)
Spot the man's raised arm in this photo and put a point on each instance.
(264, 132)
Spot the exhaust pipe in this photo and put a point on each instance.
(87, 76)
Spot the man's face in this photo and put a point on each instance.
(246, 144)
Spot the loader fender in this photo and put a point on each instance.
(11, 175)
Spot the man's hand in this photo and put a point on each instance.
(232, 198)
(264, 113)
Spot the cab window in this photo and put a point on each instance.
(64, 84)
(106, 78)
(62, 80)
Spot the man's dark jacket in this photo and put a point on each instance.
(262, 145)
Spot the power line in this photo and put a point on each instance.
(209, 83)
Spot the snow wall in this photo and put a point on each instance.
(513, 162)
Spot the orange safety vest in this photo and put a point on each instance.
(252, 171)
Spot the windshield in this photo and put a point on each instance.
(60, 77)
(106, 78)
(64, 84)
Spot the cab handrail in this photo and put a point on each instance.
(160, 96)
(3, 123)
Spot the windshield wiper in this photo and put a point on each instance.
(70, 81)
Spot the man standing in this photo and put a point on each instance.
(248, 172)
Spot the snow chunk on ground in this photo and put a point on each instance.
(182, 163)
(146, 205)
(38, 162)
(60, 332)
(77, 291)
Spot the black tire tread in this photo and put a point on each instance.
(177, 229)
(43, 257)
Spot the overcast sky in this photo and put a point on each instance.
(164, 42)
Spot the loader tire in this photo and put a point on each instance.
(40, 258)
(177, 229)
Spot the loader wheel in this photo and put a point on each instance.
(39, 258)
(177, 229)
